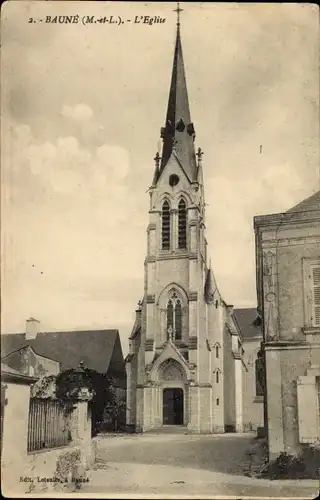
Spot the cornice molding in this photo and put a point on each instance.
(151, 298)
(289, 345)
(285, 219)
(193, 296)
(151, 227)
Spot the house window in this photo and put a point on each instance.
(166, 226)
(217, 401)
(174, 316)
(182, 225)
(217, 377)
(217, 351)
(312, 292)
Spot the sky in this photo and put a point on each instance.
(82, 108)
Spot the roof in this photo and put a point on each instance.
(10, 374)
(247, 322)
(94, 347)
(25, 345)
(308, 204)
(178, 129)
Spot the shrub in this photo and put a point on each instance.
(304, 466)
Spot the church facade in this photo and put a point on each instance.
(186, 361)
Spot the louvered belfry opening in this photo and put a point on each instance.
(166, 226)
(182, 225)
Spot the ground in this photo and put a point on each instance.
(178, 464)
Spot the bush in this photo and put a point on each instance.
(304, 466)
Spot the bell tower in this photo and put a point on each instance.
(176, 257)
(179, 323)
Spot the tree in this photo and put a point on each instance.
(84, 383)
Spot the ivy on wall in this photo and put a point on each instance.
(82, 384)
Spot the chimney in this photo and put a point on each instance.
(32, 328)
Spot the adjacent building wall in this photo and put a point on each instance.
(252, 403)
(286, 244)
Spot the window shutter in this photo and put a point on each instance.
(315, 280)
(307, 409)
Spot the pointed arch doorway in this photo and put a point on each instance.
(173, 406)
(173, 394)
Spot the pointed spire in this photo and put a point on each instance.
(178, 133)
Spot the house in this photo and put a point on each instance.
(250, 326)
(52, 352)
(186, 361)
(288, 289)
(48, 353)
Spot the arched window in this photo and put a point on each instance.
(174, 317)
(166, 226)
(217, 377)
(217, 351)
(259, 374)
(182, 225)
(169, 315)
(178, 320)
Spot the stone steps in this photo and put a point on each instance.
(169, 429)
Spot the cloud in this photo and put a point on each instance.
(74, 177)
(81, 112)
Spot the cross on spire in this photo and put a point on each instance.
(178, 10)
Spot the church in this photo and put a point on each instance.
(186, 363)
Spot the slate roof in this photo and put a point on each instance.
(94, 347)
(248, 324)
(178, 128)
(309, 204)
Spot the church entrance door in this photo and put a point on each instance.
(173, 406)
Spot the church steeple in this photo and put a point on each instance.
(178, 133)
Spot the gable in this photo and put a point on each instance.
(169, 352)
(173, 167)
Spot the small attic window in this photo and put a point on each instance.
(173, 180)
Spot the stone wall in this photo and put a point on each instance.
(60, 469)
(287, 245)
